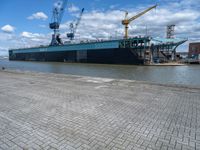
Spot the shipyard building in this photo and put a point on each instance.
(194, 50)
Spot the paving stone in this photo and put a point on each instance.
(52, 111)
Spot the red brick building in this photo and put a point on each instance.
(194, 50)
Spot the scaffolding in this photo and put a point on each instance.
(170, 32)
(152, 50)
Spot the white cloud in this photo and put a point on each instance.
(28, 34)
(35, 37)
(8, 29)
(24, 39)
(73, 8)
(3, 51)
(6, 37)
(38, 16)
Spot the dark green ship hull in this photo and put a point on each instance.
(103, 56)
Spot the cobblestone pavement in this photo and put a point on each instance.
(49, 111)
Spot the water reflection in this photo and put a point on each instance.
(188, 75)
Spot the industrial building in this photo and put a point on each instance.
(194, 50)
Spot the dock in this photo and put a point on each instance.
(167, 64)
(192, 61)
(54, 111)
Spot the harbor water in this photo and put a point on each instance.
(185, 75)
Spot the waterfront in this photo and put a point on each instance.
(186, 75)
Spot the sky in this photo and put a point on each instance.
(24, 23)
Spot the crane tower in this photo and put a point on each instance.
(73, 27)
(126, 21)
(57, 16)
(171, 31)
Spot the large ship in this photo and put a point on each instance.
(136, 50)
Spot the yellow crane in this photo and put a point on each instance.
(126, 21)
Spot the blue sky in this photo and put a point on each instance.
(25, 22)
(15, 12)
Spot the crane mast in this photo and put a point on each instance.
(126, 21)
(73, 27)
(57, 16)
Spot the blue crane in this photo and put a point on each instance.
(73, 27)
(57, 16)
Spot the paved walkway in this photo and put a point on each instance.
(49, 111)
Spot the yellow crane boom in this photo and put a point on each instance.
(126, 21)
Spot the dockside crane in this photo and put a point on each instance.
(126, 21)
(73, 27)
(57, 16)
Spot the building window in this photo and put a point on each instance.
(194, 49)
